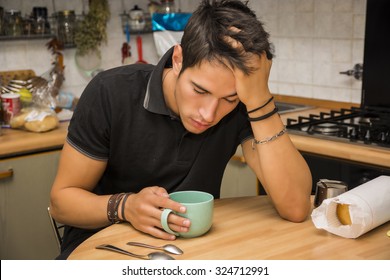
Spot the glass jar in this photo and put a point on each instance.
(39, 15)
(66, 24)
(167, 6)
(13, 23)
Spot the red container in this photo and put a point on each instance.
(11, 106)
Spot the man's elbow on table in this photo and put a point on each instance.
(296, 214)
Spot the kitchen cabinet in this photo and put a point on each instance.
(238, 179)
(25, 229)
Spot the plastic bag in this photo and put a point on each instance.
(168, 30)
(35, 119)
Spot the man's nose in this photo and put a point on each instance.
(209, 109)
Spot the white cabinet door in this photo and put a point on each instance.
(238, 179)
(25, 229)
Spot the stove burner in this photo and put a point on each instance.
(356, 125)
(329, 129)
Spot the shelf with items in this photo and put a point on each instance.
(26, 37)
(61, 24)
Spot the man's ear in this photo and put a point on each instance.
(177, 59)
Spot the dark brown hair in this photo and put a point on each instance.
(205, 35)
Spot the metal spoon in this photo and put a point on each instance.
(170, 248)
(151, 256)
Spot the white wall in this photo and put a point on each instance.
(314, 41)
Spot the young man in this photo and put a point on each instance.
(140, 132)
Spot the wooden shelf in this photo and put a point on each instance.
(26, 37)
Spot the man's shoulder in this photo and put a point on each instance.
(127, 71)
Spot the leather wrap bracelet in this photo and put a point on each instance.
(262, 106)
(113, 206)
(263, 117)
(123, 205)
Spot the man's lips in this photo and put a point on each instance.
(200, 124)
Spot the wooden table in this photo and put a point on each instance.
(247, 228)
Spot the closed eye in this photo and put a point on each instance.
(198, 91)
(231, 101)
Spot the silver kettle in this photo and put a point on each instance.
(327, 189)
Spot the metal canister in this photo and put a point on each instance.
(66, 24)
(328, 189)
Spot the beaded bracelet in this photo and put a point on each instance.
(262, 106)
(263, 117)
(268, 139)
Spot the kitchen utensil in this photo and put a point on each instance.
(328, 189)
(170, 248)
(151, 256)
(126, 48)
(139, 49)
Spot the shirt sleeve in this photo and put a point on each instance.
(89, 128)
(245, 132)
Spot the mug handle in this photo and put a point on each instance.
(164, 221)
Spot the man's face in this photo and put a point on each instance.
(204, 94)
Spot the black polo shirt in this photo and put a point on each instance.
(122, 118)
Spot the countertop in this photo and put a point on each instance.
(18, 142)
(15, 142)
(247, 228)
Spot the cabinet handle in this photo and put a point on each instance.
(6, 174)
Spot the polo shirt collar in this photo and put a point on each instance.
(154, 98)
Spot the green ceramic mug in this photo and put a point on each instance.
(200, 207)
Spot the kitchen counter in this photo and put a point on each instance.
(15, 142)
(18, 142)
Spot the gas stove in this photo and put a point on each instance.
(370, 123)
(354, 125)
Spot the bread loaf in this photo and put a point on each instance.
(19, 120)
(35, 120)
(342, 212)
(48, 123)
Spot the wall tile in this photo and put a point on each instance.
(359, 7)
(342, 51)
(359, 26)
(286, 25)
(342, 25)
(286, 6)
(302, 49)
(322, 50)
(304, 6)
(321, 6)
(323, 25)
(304, 24)
(344, 6)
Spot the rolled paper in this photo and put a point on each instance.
(356, 211)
